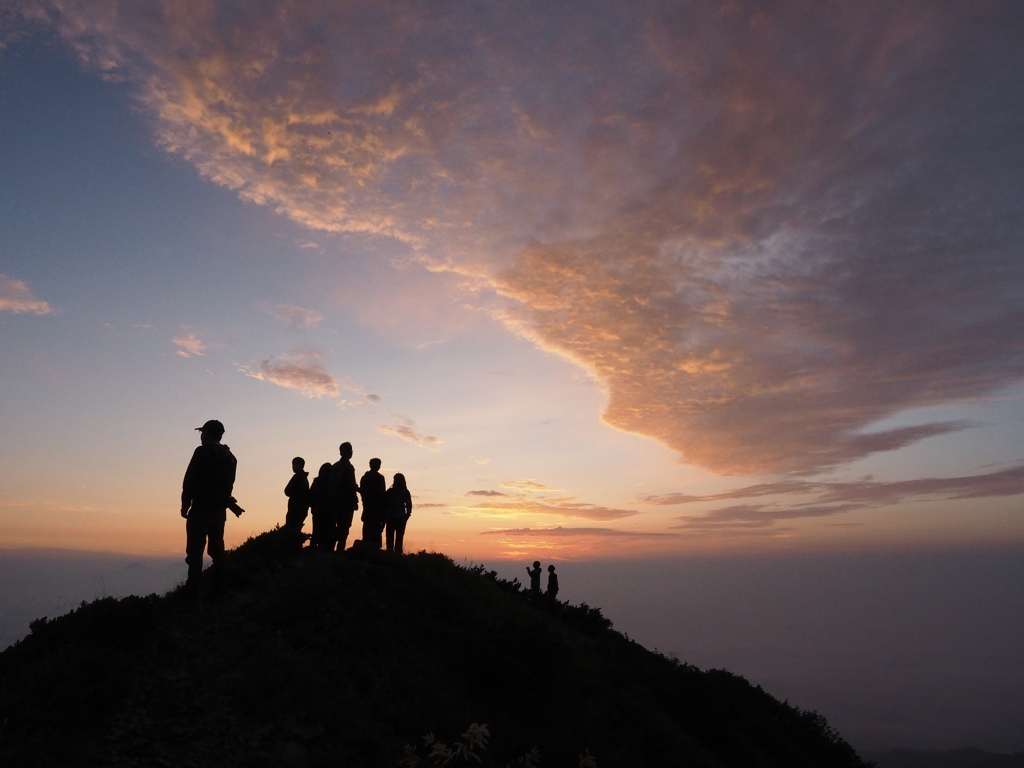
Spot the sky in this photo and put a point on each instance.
(605, 281)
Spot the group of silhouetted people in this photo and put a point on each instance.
(333, 497)
(535, 573)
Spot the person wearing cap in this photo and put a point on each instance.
(205, 499)
(373, 490)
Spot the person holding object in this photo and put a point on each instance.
(205, 499)
(534, 578)
(399, 510)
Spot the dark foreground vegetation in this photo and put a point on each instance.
(326, 660)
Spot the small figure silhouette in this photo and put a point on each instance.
(297, 492)
(552, 584)
(534, 578)
(398, 512)
(205, 499)
(324, 525)
(344, 492)
(373, 490)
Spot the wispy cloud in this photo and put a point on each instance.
(741, 244)
(297, 318)
(485, 493)
(757, 516)
(561, 532)
(405, 428)
(833, 498)
(526, 484)
(1003, 482)
(16, 297)
(560, 508)
(190, 345)
(300, 371)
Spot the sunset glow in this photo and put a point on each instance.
(600, 279)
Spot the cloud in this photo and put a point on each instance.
(15, 295)
(559, 508)
(297, 318)
(406, 429)
(190, 345)
(833, 498)
(526, 484)
(300, 371)
(485, 493)
(753, 516)
(430, 505)
(560, 532)
(764, 232)
(1003, 482)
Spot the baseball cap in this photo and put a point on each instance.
(212, 426)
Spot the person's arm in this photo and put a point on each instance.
(188, 484)
(408, 504)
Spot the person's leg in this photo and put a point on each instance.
(215, 547)
(389, 526)
(314, 540)
(400, 533)
(344, 525)
(330, 528)
(195, 543)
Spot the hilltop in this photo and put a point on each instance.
(314, 659)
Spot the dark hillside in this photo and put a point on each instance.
(328, 660)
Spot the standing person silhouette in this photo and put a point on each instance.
(552, 584)
(399, 509)
(324, 516)
(297, 492)
(344, 493)
(373, 490)
(205, 498)
(534, 578)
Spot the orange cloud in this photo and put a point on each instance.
(762, 254)
(406, 429)
(190, 345)
(556, 508)
(300, 371)
(526, 484)
(16, 297)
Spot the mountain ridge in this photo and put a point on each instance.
(323, 659)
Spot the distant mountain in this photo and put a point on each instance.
(365, 659)
(955, 758)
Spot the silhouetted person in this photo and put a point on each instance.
(325, 524)
(552, 583)
(399, 509)
(297, 492)
(205, 499)
(373, 490)
(344, 492)
(534, 578)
